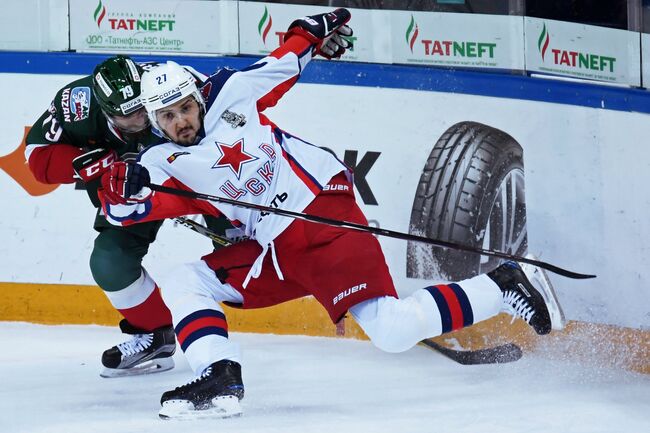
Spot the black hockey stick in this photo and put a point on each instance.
(501, 354)
(509, 352)
(373, 230)
(203, 230)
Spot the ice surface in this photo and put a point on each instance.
(49, 377)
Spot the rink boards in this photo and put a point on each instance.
(585, 165)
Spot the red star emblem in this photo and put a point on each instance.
(233, 156)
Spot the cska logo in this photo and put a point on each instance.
(233, 156)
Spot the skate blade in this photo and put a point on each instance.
(222, 407)
(539, 278)
(150, 367)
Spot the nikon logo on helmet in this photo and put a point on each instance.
(103, 84)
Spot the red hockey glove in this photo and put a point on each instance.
(327, 31)
(93, 164)
(126, 183)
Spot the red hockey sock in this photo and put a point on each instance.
(150, 314)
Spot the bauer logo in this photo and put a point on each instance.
(336, 187)
(344, 294)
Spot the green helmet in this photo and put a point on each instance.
(116, 84)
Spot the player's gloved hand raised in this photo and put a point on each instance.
(126, 183)
(93, 164)
(327, 31)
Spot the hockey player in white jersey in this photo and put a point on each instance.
(221, 143)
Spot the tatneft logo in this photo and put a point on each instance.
(264, 26)
(100, 13)
(152, 22)
(543, 41)
(572, 58)
(449, 48)
(412, 33)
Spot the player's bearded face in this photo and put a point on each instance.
(181, 121)
(134, 122)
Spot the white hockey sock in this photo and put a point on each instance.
(395, 325)
(134, 294)
(192, 293)
(203, 337)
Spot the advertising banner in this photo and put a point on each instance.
(582, 51)
(154, 26)
(587, 216)
(457, 40)
(383, 36)
(262, 27)
(34, 25)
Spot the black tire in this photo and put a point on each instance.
(471, 192)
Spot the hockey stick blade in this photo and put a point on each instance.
(374, 230)
(501, 354)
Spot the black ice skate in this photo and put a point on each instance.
(215, 394)
(535, 303)
(147, 352)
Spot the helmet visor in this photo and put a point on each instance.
(134, 122)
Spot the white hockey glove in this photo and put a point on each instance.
(327, 31)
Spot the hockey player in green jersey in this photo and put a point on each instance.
(91, 123)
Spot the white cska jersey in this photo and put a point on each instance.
(243, 156)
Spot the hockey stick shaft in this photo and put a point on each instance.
(374, 230)
(492, 355)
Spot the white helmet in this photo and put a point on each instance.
(165, 84)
